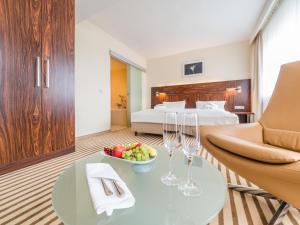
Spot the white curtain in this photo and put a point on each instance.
(281, 43)
(257, 57)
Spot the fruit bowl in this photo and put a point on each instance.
(135, 153)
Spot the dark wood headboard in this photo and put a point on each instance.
(218, 91)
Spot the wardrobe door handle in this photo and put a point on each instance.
(38, 72)
(47, 73)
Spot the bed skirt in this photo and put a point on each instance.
(152, 128)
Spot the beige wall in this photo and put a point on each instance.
(228, 62)
(92, 76)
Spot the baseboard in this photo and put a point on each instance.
(87, 136)
(79, 138)
(28, 162)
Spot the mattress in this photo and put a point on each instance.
(206, 117)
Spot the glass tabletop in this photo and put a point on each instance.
(156, 204)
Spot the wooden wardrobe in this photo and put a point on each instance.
(36, 81)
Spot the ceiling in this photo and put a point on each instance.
(156, 28)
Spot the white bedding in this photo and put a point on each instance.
(206, 117)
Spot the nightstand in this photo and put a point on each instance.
(245, 117)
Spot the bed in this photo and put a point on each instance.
(151, 120)
(233, 93)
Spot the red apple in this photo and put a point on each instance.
(117, 151)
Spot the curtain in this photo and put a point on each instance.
(281, 43)
(257, 63)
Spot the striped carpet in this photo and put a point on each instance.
(25, 195)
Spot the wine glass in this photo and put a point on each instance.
(190, 141)
(171, 142)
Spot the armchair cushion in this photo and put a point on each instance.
(253, 150)
(282, 138)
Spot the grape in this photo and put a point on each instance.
(136, 152)
(138, 157)
(144, 151)
(108, 151)
(129, 153)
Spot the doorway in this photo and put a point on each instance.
(119, 92)
(126, 93)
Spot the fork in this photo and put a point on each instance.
(106, 189)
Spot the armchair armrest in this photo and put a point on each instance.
(251, 132)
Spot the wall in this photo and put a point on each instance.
(228, 62)
(92, 76)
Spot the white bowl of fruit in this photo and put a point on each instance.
(135, 153)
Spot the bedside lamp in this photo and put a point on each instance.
(159, 94)
(237, 89)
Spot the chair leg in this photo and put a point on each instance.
(251, 191)
(282, 209)
(280, 213)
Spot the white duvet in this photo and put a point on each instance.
(206, 116)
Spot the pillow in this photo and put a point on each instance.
(175, 105)
(160, 106)
(219, 104)
(208, 105)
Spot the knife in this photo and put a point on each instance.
(119, 189)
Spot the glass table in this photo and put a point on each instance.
(156, 204)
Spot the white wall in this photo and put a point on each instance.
(92, 76)
(228, 62)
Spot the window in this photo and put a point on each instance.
(281, 43)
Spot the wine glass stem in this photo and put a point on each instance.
(189, 175)
(170, 162)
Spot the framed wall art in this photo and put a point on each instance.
(193, 68)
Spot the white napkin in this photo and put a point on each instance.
(102, 202)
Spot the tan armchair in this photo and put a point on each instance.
(266, 153)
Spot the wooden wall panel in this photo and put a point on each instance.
(206, 92)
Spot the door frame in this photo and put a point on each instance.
(125, 60)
